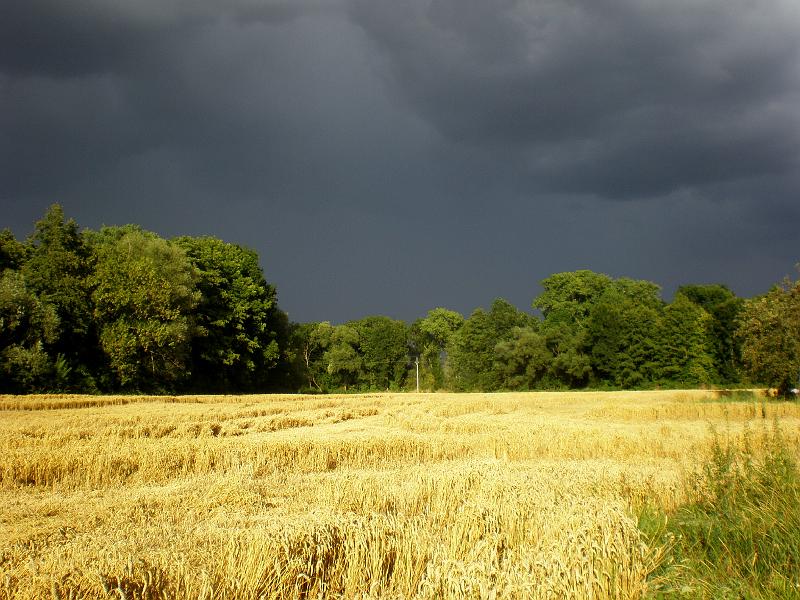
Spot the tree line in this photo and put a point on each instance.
(124, 310)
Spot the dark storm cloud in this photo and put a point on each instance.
(56, 38)
(622, 98)
(389, 157)
(87, 89)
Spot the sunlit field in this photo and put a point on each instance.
(519, 495)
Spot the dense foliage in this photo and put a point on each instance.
(770, 335)
(122, 309)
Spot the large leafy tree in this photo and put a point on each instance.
(428, 339)
(622, 336)
(566, 303)
(684, 348)
(27, 325)
(523, 360)
(329, 355)
(569, 296)
(770, 337)
(471, 351)
(471, 354)
(57, 270)
(144, 296)
(383, 346)
(240, 335)
(724, 308)
(310, 341)
(571, 364)
(12, 252)
(621, 332)
(283, 375)
(343, 363)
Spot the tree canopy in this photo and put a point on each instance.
(123, 309)
(428, 339)
(471, 350)
(770, 337)
(238, 334)
(143, 288)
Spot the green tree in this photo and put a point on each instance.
(684, 349)
(523, 360)
(283, 376)
(724, 308)
(240, 336)
(571, 365)
(622, 332)
(329, 356)
(599, 328)
(383, 346)
(566, 303)
(144, 296)
(57, 270)
(12, 252)
(639, 291)
(770, 337)
(310, 341)
(27, 325)
(569, 296)
(342, 360)
(471, 351)
(428, 340)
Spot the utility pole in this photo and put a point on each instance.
(416, 362)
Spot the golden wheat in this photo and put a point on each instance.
(370, 496)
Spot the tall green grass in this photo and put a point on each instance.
(739, 396)
(739, 536)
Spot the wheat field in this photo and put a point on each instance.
(517, 495)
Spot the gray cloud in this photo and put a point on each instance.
(616, 97)
(389, 157)
(60, 39)
(221, 91)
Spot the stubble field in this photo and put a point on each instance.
(519, 495)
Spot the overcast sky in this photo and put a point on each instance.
(388, 157)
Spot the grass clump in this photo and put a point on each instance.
(739, 535)
(739, 396)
